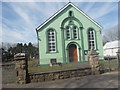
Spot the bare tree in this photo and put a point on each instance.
(111, 34)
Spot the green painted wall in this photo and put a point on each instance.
(82, 43)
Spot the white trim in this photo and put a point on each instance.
(76, 32)
(63, 9)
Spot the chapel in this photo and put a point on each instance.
(68, 36)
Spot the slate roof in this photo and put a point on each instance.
(113, 44)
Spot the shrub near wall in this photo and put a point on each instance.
(64, 74)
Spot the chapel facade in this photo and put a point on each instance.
(68, 36)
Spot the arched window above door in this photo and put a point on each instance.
(68, 33)
(75, 32)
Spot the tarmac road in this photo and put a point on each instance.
(107, 80)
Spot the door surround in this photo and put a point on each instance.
(73, 51)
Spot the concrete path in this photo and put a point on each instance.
(107, 80)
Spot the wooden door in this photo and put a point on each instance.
(73, 53)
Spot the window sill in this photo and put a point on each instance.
(95, 49)
(71, 39)
(51, 52)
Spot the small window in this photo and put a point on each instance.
(70, 13)
(53, 61)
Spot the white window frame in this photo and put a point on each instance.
(75, 31)
(68, 35)
(51, 40)
(91, 38)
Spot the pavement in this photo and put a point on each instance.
(106, 80)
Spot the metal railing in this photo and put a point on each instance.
(108, 64)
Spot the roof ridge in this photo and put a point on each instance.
(69, 3)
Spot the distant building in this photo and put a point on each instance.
(67, 37)
(110, 48)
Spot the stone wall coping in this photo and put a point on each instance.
(57, 71)
(20, 58)
(7, 64)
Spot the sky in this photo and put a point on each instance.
(20, 19)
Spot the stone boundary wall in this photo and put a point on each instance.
(64, 74)
(8, 73)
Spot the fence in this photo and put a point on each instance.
(109, 64)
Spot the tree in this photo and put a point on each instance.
(25, 48)
(19, 47)
(111, 34)
(6, 55)
(29, 49)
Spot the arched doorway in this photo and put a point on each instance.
(72, 51)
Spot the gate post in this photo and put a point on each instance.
(93, 58)
(21, 67)
(118, 57)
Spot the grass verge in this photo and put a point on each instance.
(32, 67)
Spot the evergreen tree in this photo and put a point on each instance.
(29, 49)
(25, 48)
(19, 47)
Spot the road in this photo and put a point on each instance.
(107, 80)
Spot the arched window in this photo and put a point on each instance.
(67, 32)
(75, 32)
(70, 13)
(91, 39)
(51, 40)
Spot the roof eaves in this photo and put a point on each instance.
(62, 10)
(87, 16)
(53, 16)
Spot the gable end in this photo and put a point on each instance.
(48, 20)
